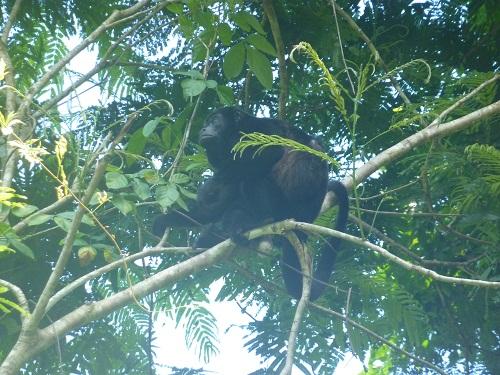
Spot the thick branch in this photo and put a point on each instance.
(289, 225)
(109, 267)
(462, 100)
(96, 310)
(425, 135)
(408, 252)
(47, 292)
(406, 145)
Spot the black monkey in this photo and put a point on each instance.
(224, 207)
(251, 189)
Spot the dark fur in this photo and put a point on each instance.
(252, 189)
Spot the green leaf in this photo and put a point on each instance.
(151, 176)
(247, 21)
(115, 180)
(204, 18)
(183, 204)
(211, 84)
(199, 50)
(187, 193)
(193, 87)
(225, 33)
(169, 137)
(186, 26)
(62, 223)
(195, 74)
(5, 249)
(225, 94)
(136, 143)
(24, 210)
(167, 195)
(150, 126)
(69, 215)
(260, 66)
(262, 44)
(141, 189)
(38, 219)
(180, 178)
(124, 205)
(254, 22)
(233, 61)
(176, 8)
(22, 248)
(240, 19)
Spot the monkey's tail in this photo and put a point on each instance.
(321, 276)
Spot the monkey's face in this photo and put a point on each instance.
(220, 132)
(213, 131)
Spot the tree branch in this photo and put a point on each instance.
(95, 310)
(378, 337)
(11, 20)
(65, 254)
(406, 145)
(46, 210)
(306, 267)
(372, 48)
(103, 63)
(20, 297)
(408, 252)
(59, 295)
(54, 70)
(462, 100)
(291, 225)
(280, 49)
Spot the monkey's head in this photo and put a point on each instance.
(220, 132)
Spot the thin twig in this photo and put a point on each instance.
(18, 293)
(387, 192)
(187, 131)
(287, 225)
(103, 63)
(412, 214)
(65, 254)
(378, 337)
(372, 48)
(93, 36)
(341, 47)
(46, 210)
(408, 252)
(11, 20)
(462, 100)
(306, 267)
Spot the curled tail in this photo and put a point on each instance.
(290, 265)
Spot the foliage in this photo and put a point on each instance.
(158, 73)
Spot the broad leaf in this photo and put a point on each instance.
(115, 180)
(233, 61)
(260, 66)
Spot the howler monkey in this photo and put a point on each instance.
(251, 189)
